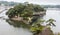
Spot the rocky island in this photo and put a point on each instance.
(28, 15)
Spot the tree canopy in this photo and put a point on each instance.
(24, 9)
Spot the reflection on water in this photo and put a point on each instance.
(17, 23)
(7, 28)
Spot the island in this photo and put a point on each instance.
(28, 15)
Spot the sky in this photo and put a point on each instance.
(44, 2)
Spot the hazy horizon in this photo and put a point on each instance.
(42, 2)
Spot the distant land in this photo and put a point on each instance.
(51, 6)
(6, 3)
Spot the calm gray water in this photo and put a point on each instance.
(6, 29)
(55, 14)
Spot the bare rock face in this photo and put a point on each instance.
(46, 32)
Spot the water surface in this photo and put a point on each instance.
(6, 29)
(55, 14)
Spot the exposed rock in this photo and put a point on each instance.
(46, 31)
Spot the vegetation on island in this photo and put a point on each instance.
(24, 10)
(23, 15)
